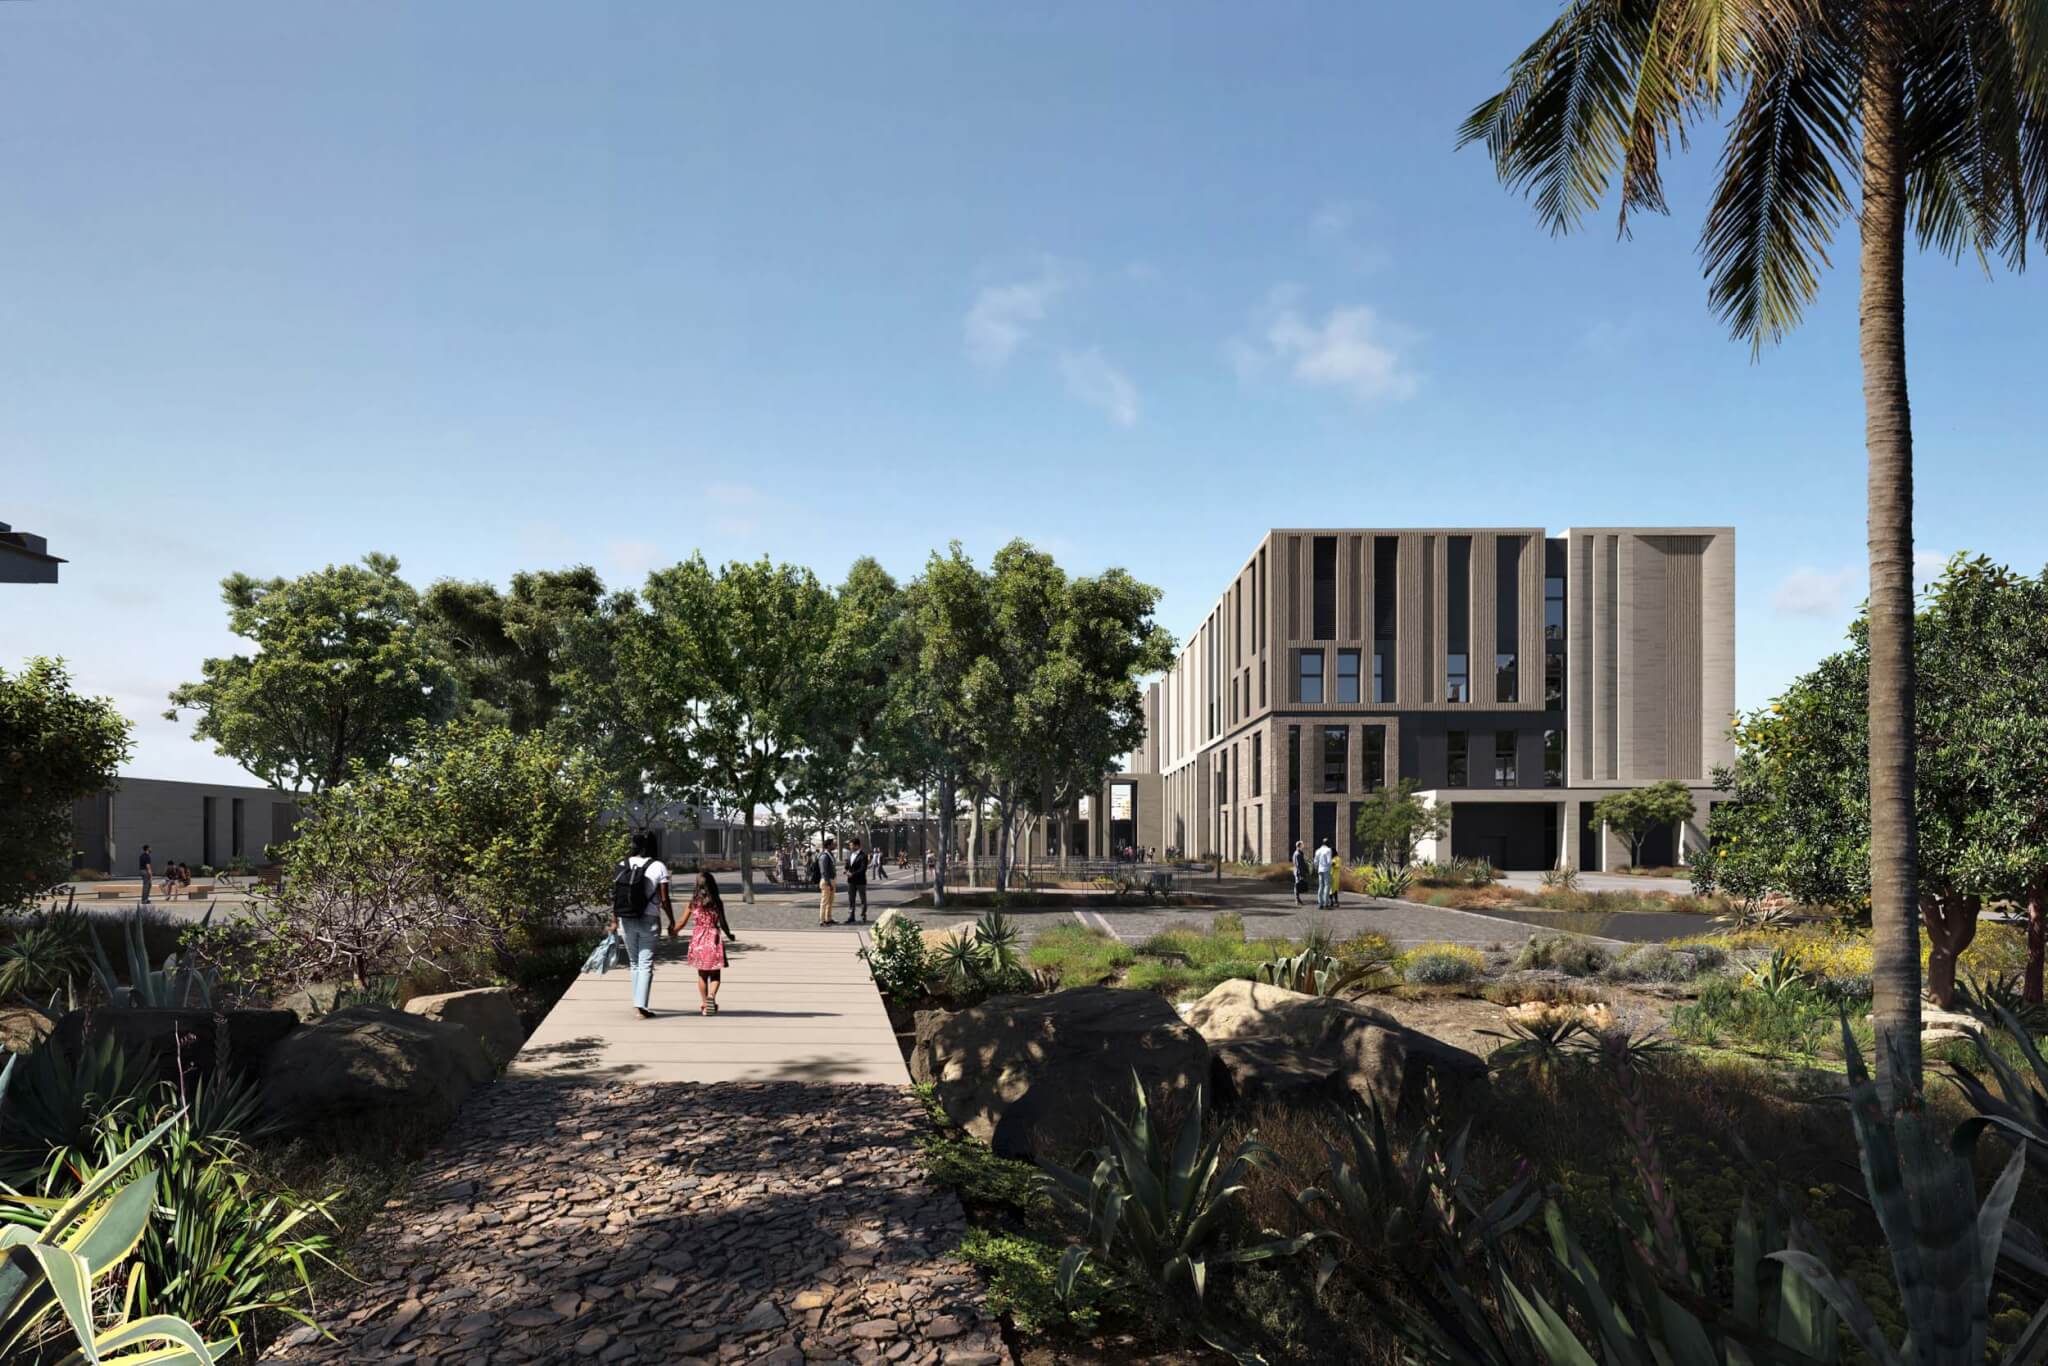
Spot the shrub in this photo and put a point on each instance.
(1386, 883)
(1442, 965)
(1663, 963)
(1024, 1283)
(1075, 955)
(1566, 953)
(1168, 979)
(1227, 925)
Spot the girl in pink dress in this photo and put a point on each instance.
(706, 925)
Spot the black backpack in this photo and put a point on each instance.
(630, 890)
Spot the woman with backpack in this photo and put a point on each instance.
(708, 930)
(639, 897)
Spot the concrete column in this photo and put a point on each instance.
(1568, 835)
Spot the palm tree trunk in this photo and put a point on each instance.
(1888, 437)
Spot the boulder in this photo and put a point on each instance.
(172, 1039)
(1276, 1044)
(22, 1028)
(314, 999)
(1024, 1072)
(487, 1012)
(369, 1062)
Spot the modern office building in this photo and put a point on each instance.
(1516, 676)
(201, 824)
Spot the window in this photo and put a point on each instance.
(1223, 778)
(1233, 775)
(1504, 758)
(1386, 578)
(1311, 676)
(1553, 608)
(1553, 758)
(1262, 683)
(1258, 763)
(1347, 675)
(1553, 681)
(1454, 759)
(1294, 761)
(235, 829)
(1374, 761)
(1507, 612)
(1336, 757)
(1457, 647)
(1325, 587)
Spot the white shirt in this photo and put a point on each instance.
(657, 877)
(1323, 858)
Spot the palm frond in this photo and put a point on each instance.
(1691, 52)
(1558, 129)
(1780, 192)
(1963, 132)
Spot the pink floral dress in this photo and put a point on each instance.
(707, 946)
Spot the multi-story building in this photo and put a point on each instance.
(1516, 676)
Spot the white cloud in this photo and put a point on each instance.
(1092, 379)
(1002, 316)
(1350, 349)
(1808, 592)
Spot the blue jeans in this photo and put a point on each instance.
(1323, 897)
(641, 933)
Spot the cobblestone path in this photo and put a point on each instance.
(675, 1223)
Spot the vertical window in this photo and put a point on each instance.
(1259, 602)
(1234, 776)
(1507, 611)
(1262, 684)
(1455, 767)
(1336, 758)
(1258, 762)
(1553, 758)
(235, 831)
(1386, 578)
(1458, 647)
(1347, 675)
(1293, 786)
(1553, 607)
(1553, 681)
(1311, 676)
(1373, 762)
(1325, 587)
(1504, 758)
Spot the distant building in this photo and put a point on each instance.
(25, 558)
(209, 824)
(1517, 676)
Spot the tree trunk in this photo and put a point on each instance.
(747, 860)
(1006, 814)
(974, 839)
(1888, 438)
(2037, 938)
(1951, 925)
(945, 839)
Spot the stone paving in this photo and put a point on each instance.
(676, 1223)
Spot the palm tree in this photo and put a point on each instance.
(1943, 104)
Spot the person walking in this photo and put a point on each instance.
(826, 872)
(880, 862)
(1325, 857)
(148, 873)
(640, 901)
(1300, 862)
(709, 932)
(856, 880)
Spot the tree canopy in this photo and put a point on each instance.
(507, 649)
(56, 747)
(1635, 814)
(1393, 820)
(340, 672)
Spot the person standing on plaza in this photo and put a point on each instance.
(826, 872)
(856, 880)
(639, 900)
(148, 871)
(1300, 872)
(1325, 857)
(709, 933)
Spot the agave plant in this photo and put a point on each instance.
(1944, 1245)
(1317, 972)
(1000, 946)
(1386, 881)
(1154, 1209)
(52, 1251)
(1780, 977)
(1989, 998)
(46, 952)
(1541, 1043)
(171, 987)
(2020, 1105)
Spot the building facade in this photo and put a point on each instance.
(1516, 676)
(210, 825)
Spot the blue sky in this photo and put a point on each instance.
(502, 285)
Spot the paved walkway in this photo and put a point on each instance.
(796, 1005)
(679, 1224)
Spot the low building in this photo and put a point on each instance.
(25, 558)
(1517, 676)
(199, 824)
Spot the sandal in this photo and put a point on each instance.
(712, 1006)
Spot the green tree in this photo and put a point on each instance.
(1635, 814)
(1393, 820)
(507, 650)
(1939, 114)
(55, 748)
(478, 839)
(341, 672)
(1801, 818)
(724, 670)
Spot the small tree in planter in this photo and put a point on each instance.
(1393, 820)
(1634, 815)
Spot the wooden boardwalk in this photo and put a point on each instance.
(796, 1006)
